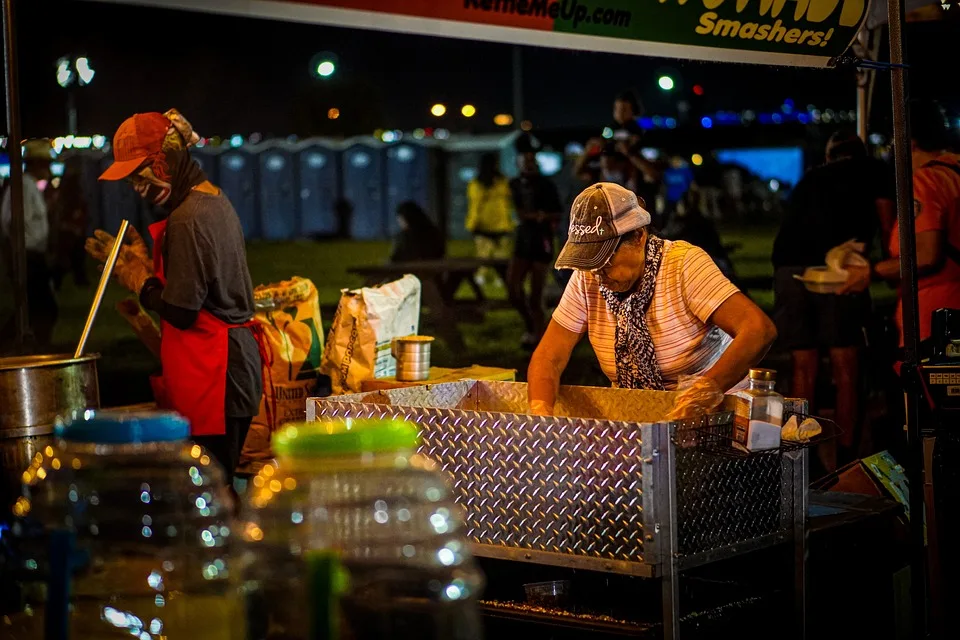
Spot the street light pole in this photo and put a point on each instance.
(72, 128)
(18, 251)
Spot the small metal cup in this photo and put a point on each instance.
(413, 357)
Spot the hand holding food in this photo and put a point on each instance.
(698, 395)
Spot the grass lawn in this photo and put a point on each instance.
(126, 363)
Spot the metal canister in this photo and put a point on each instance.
(34, 392)
(413, 357)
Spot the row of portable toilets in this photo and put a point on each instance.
(284, 191)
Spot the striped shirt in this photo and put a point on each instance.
(689, 289)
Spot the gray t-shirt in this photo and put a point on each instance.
(205, 263)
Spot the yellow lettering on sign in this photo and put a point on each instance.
(810, 10)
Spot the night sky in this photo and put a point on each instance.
(236, 75)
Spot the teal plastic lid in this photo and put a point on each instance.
(345, 437)
(122, 427)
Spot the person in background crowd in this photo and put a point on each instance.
(419, 237)
(690, 225)
(936, 202)
(627, 136)
(843, 199)
(41, 302)
(617, 168)
(490, 213)
(197, 281)
(69, 211)
(538, 207)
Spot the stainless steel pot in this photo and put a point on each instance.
(35, 390)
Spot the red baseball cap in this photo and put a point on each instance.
(138, 138)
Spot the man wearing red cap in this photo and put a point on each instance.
(197, 280)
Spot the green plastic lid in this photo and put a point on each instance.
(345, 437)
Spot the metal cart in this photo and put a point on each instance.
(607, 485)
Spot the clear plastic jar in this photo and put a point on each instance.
(353, 535)
(125, 529)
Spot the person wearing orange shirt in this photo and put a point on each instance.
(936, 201)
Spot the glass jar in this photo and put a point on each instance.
(353, 535)
(125, 528)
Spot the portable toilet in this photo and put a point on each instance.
(364, 187)
(206, 157)
(118, 201)
(278, 192)
(463, 161)
(237, 168)
(318, 162)
(411, 171)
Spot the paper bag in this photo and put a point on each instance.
(367, 320)
(288, 313)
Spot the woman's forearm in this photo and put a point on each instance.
(749, 346)
(543, 382)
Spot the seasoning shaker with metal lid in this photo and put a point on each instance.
(758, 412)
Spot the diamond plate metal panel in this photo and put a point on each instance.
(576, 485)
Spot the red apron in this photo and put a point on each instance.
(194, 361)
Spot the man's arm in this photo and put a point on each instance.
(151, 298)
(547, 365)
(753, 333)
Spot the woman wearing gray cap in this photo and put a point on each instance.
(660, 315)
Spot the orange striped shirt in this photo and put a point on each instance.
(689, 289)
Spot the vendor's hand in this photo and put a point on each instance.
(699, 395)
(858, 280)
(540, 408)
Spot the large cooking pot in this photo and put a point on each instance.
(35, 390)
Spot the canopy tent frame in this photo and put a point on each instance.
(905, 214)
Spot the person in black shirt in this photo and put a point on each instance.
(419, 237)
(538, 207)
(841, 200)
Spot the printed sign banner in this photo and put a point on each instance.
(799, 32)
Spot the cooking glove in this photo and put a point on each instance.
(698, 396)
(540, 408)
(133, 266)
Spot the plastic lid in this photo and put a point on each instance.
(763, 375)
(345, 437)
(122, 427)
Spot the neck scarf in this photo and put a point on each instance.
(637, 366)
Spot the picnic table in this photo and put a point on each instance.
(440, 281)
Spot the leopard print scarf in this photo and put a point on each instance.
(637, 366)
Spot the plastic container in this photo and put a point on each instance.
(125, 530)
(554, 593)
(758, 412)
(354, 535)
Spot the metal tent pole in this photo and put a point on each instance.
(17, 241)
(911, 312)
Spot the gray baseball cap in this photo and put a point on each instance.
(599, 217)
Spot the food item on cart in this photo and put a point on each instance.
(796, 431)
(698, 395)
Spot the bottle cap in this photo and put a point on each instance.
(763, 375)
(123, 427)
(346, 437)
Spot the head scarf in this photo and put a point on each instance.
(171, 173)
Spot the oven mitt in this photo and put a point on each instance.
(698, 396)
(133, 266)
